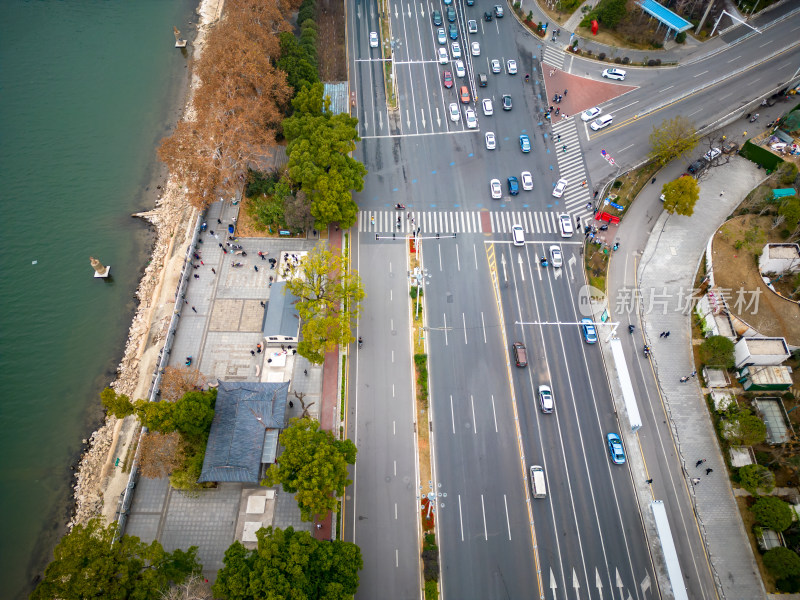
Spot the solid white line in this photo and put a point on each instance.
(445, 330)
(474, 424)
(494, 414)
(508, 521)
(464, 323)
(458, 258)
(695, 112)
(625, 148)
(460, 518)
(452, 414)
(440, 257)
(483, 324)
(485, 532)
(475, 254)
(392, 356)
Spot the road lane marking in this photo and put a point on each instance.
(395, 511)
(494, 414)
(396, 558)
(483, 510)
(464, 324)
(452, 414)
(698, 75)
(394, 427)
(666, 88)
(460, 518)
(508, 521)
(395, 474)
(458, 257)
(439, 246)
(445, 330)
(475, 254)
(483, 324)
(735, 59)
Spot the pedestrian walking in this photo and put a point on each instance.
(319, 525)
(694, 373)
(196, 276)
(262, 304)
(709, 471)
(220, 245)
(194, 309)
(666, 335)
(253, 352)
(565, 92)
(219, 222)
(699, 462)
(291, 404)
(305, 372)
(744, 134)
(661, 334)
(256, 268)
(695, 480)
(721, 192)
(213, 270)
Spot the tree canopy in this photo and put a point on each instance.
(773, 513)
(86, 565)
(782, 562)
(745, 429)
(755, 478)
(717, 351)
(313, 465)
(330, 298)
(674, 138)
(681, 195)
(291, 565)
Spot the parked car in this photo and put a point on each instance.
(697, 166)
(712, 154)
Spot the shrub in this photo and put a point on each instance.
(626, 60)
(617, 60)
(602, 56)
(717, 351)
(681, 37)
(658, 62)
(430, 560)
(773, 513)
(651, 62)
(431, 590)
(787, 173)
(789, 585)
(782, 562)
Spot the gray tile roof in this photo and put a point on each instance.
(282, 318)
(245, 414)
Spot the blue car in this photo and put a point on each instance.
(513, 186)
(589, 332)
(453, 31)
(615, 449)
(525, 143)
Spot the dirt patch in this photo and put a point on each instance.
(736, 274)
(331, 45)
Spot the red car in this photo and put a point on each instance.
(464, 95)
(447, 79)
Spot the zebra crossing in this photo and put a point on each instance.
(553, 56)
(577, 198)
(432, 222)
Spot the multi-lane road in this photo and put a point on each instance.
(586, 537)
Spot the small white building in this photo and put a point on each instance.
(779, 258)
(751, 351)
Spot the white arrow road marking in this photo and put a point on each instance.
(521, 270)
(380, 120)
(598, 583)
(422, 110)
(438, 118)
(395, 11)
(422, 10)
(408, 118)
(553, 584)
(576, 584)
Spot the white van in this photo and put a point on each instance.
(603, 121)
(538, 485)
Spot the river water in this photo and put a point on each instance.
(87, 89)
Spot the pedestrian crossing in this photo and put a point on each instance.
(476, 221)
(577, 199)
(553, 56)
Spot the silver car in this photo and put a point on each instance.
(555, 256)
(546, 399)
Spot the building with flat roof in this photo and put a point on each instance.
(751, 351)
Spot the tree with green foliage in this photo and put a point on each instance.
(289, 564)
(674, 138)
(313, 465)
(756, 478)
(88, 563)
(297, 211)
(300, 68)
(681, 195)
(115, 404)
(319, 150)
(330, 298)
(787, 173)
(782, 562)
(745, 429)
(773, 513)
(717, 351)
(611, 12)
(790, 211)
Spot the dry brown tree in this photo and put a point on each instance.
(176, 381)
(160, 454)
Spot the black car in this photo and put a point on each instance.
(437, 18)
(487, 16)
(482, 79)
(697, 166)
(451, 14)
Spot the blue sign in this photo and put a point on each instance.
(617, 206)
(285, 232)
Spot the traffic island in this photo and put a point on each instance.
(387, 53)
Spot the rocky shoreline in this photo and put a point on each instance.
(171, 216)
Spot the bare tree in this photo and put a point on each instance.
(161, 453)
(179, 380)
(195, 587)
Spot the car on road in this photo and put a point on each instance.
(456, 48)
(448, 2)
(561, 185)
(472, 26)
(441, 36)
(498, 11)
(511, 67)
(451, 14)
(588, 330)
(437, 18)
(470, 2)
(712, 154)
(506, 102)
(460, 71)
(472, 120)
(615, 449)
(495, 66)
(513, 186)
(555, 256)
(697, 166)
(447, 79)
(373, 39)
(488, 107)
(525, 143)
(482, 79)
(527, 181)
(565, 224)
(546, 399)
(603, 121)
(452, 31)
(455, 112)
(463, 95)
(496, 189)
(518, 234)
(475, 49)
(487, 16)
(491, 141)
(590, 114)
(617, 74)
(520, 354)
(443, 56)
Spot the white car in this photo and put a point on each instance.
(555, 256)
(565, 223)
(476, 49)
(488, 108)
(472, 26)
(546, 399)
(496, 188)
(511, 67)
(527, 181)
(617, 74)
(456, 47)
(472, 121)
(441, 36)
(495, 65)
(460, 72)
(712, 154)
(603, 121)
(590, 114)
(518, 234)
(561, 185)
(491, 142)
(455, 114)
(443, 57)
(373, 39)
